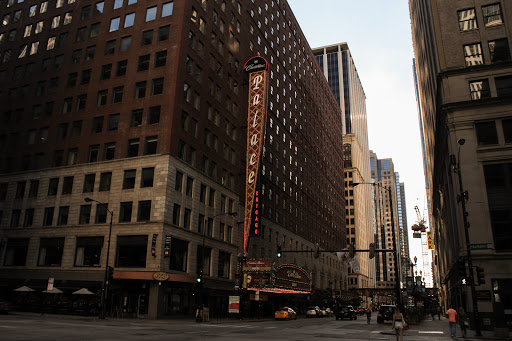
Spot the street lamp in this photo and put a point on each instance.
(395, 257)
(200, 270)
(462, 197)
(105, 277)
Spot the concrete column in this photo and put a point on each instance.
(155, 300)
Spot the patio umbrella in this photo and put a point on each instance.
(24, 289)
(53, 291)
(83, 291)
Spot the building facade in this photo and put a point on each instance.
(141, 106)
(405, 260)
(464, 71)
(339, 68)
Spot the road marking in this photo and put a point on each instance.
(429, 332)
(8, 327)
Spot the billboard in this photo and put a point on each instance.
(257, 69)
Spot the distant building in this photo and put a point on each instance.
(403, 229)
(464, 77)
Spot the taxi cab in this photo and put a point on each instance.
(285, 313)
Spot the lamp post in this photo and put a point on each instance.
(105, 277)
(395, 256)
(462, 197)
(200, 270)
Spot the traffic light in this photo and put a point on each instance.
(199, 278)
(480, 275)
(372, 250)
(279, 254)
(351, 251)
(316, 251)
(110, 273)
(461, 268)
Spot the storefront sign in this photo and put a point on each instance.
(257, 279)
(167, 249)
(479, 246)
(256, 265)
(161, 276)
(153, 245)
(257, 68)
(290, 276)
(234, 304)
(483, 295)
(429, 241)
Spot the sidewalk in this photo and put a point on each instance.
(442, 325)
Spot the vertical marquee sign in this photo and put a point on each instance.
(257, 69)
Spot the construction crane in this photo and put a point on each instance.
(420, 225)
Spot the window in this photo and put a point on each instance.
(85, 214)
(507, 129)
(20, 189)
(160, 58)
(125, 212)
(89, 180)
(106, 71)
(492, 15)
(102, 98)
(131, 251)
(117, 94)
(109, 151)
(72, 156)
(110, 47)
(16, 252)
(3, 191)
(151, 144)
(167, 9)
(75, 56)
(140, 90)
(211, 197)
(178, 255)
(113, 122)
(125, 43)
(121, 68)
(85, 12)
(88, 251)
(67, 185)
(48, 216)
(63, 215)
(89, 52)
(129, 179)
(154, 115)
(118, 4)
(50, 251)
(133, 148)
(224, 264)
(29, 217)
(179, 181)
(98, 7)
(101, 214)
(189, 186)
(150, 13)
(144, 210)
(95, 30)
(499, 50)
(157, 86)
(136, 119)
(504, 86)
(479, 89)
(186, 218)
(473, 54)
(80, 34)
(164, 32)
(486, 133)
(143, 63)
(114, 24)
(203, 259)
(176, 213)
(147, 37)
(105, 181)
(129, 19)
(467, 20)
(53, 186)
(147, 176)
(81, 101)
(97, 125)
(15, 218)
(202, 194)
(72, 78)
(33, 189)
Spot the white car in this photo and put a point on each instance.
(313, 311)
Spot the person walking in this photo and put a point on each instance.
(398, 324)
(463, 321)
(368, 315)
(452, 320)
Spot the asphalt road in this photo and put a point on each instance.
(22, 327)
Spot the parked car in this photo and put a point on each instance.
(327, 312)
(361, 311)
(313, 311)
(386, 313)
(285, 313)
(5, 306)
(345, 311)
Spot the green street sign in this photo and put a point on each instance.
(479, 246)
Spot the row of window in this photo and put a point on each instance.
(492, 16)
(151, 14)
(498, 51)
(131, 251)
(487, 132)
(479, 89)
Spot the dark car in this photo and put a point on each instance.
(386, 313)
(345, 311)
(5, 306)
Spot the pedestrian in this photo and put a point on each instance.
(439, 313)
(463, 321)
(433, 312)
(368, 315)
(398, 324)
(452, 320)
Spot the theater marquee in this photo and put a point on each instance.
(257, 69)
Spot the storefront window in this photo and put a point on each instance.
(131, 251)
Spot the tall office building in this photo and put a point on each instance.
(403, 238)
(383, 174)
(464, 72)
(339, 69)
(141, 106)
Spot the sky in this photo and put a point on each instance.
(378, 34)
